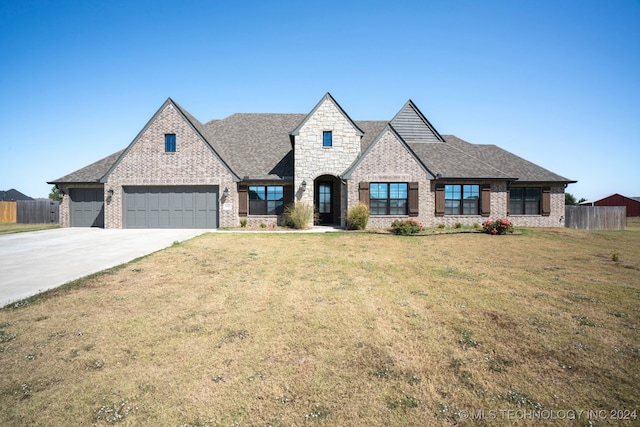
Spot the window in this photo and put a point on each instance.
(266, 200)
(388, 198)
(524, 201)
(170, 143)
(327, 139)
(461, 199)
(324, 198)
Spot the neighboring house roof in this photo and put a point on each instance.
(591, 202)
(258, 147)
(12, 196)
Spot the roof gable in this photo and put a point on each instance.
(326, 98)
(195, 125)
(413, 126)
(387, 128)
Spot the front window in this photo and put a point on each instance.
(170, 143)
(524, 201)
(461, 199)
(388, 198)
(266, 200)
(327, 139)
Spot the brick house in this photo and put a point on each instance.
(180, 173)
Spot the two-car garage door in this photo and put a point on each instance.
(170, 207)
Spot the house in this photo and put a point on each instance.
(12, 195)
(178, 172)
(632, 203)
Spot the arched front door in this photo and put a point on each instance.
(326, 199)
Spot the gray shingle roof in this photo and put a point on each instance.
(90, 174)
(508, 163)
(258, 146)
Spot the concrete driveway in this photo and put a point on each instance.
(34, 262)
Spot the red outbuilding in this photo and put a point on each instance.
(632, 203)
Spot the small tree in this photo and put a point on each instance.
(569, 199)
(55, 193)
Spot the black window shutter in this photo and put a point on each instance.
(485, 200)
(439, 199)
(243, 200)
(363, 191)
(413, 199)
(546, 201)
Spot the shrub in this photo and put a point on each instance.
(441, 225)
(406, 227)
(243, 222)
(499, 226)
(458, 225)
(358, 217)
(299, 215)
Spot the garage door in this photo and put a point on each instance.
(87, 207)
(171, 207)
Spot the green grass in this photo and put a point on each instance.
(9, 228)
(334, 329)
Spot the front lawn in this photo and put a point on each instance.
(337, 329)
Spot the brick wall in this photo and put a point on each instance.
(389, 161)
(147, 163)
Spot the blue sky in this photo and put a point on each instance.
(556, 82)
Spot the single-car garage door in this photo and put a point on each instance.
(87, 207)
(171, 207)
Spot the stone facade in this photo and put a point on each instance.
(147, 163)
(312, 160)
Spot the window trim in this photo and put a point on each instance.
(170, 143)
(389, 199)
(461, 207)
(327, 142)
(279, 207)
(543, 202)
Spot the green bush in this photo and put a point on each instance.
(358, 217)
(243, 222)
(299, 215)
(406, 227)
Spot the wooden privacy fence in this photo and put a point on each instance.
(7, 212)
(30, 212)
(596, 217)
